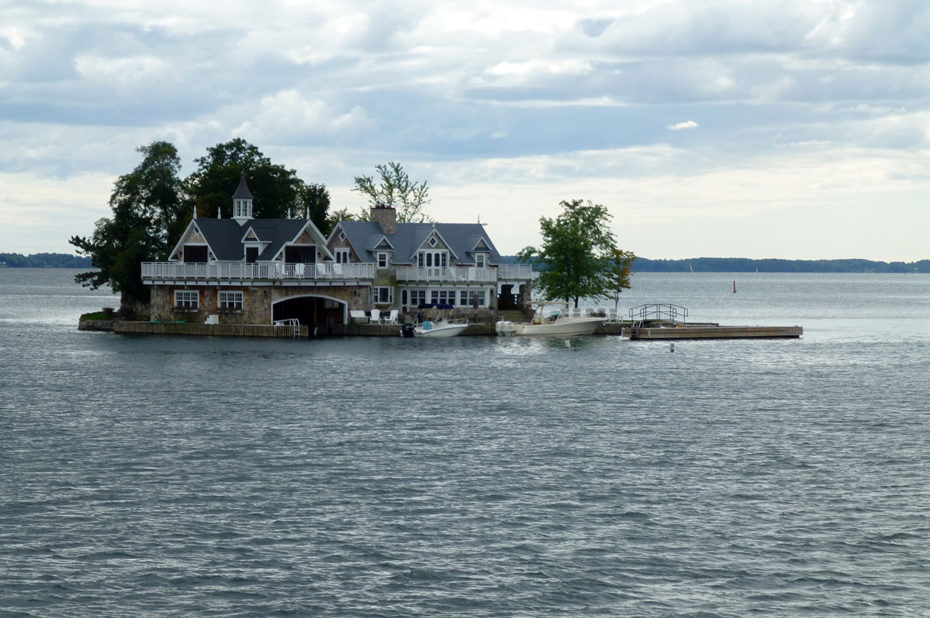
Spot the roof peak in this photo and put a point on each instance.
(242, 191)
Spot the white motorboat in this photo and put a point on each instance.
(439, 328)
(558, 324)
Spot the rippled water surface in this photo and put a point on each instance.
(473, 476)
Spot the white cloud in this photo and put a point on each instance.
(681, 126)
(503, 108)
(40, 213)
(288, 115)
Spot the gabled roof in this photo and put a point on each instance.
(225, 236)
(462, 239)
(430, 240)
(384, 244)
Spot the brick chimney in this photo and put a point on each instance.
(386, 218)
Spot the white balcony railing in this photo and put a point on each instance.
(260, 270)
(467, 274)
(515, 271)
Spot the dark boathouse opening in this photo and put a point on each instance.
(319, 313)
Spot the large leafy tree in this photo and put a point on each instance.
(576, 253)
(315, 198)
(148, 216)
(152, 206)
(393, 187)
(278, 191)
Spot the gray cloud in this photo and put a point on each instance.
(557, 88)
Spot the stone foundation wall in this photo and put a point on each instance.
(256, 302)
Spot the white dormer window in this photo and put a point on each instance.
(383, 259)
(480, 259)
(342, 256)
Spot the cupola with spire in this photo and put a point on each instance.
(242, 202)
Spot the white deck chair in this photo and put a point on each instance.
(375, 315)
(392, 317)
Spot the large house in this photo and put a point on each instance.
(258, 271)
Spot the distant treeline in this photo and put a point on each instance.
(745, 265)
(43, 260)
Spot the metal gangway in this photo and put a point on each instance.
(657, 312)
(293, 322)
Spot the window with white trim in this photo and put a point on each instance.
(417, 297)
(443, 297)
(480, 259)
(431, 259)
(384, 295)
(231, 301)
(342, 256)
(383, 259)
(468, 298)
(186, 299)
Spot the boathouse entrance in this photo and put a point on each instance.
(319, 313)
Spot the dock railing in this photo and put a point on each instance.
(193, 271)
(658, 311)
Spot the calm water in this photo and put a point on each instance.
(473, 476)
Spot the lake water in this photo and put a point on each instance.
(473, 476)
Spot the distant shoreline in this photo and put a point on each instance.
(641, 265)
(743, 265)
(747, 265)
(43, 260)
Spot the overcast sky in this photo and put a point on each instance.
(720, 128)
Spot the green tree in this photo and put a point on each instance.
(396, 189)
(341, 214)
(278, 191)
(575, 256)
(316, 202)
(147, 219)
(621, 263)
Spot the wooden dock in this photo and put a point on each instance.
(205, 330)
(267, 330)
(713, 331)
(651, 331)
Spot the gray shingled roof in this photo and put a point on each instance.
(242, 191)
(225, 235)
(461, 237)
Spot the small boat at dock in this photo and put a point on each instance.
(439, 328)
(556, 324)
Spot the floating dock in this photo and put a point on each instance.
(714, 331)
(665, 321)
